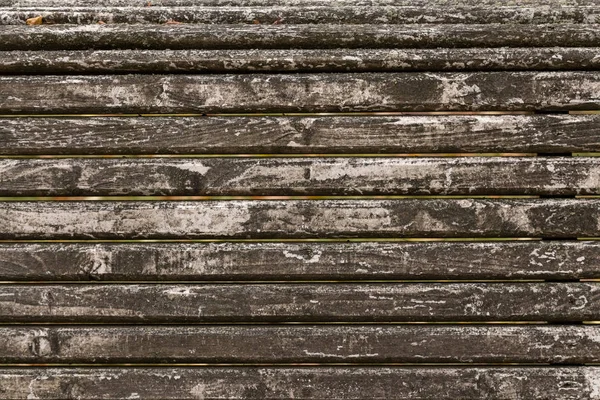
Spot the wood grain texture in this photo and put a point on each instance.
(298, 261)
(558, 344)
(490, 4)
(328, 60)
(301, 92)
(316, 134)
(300, 176)
(239, 219)
(307, 36)
(300, 302)
(445, 383)
(305, 14)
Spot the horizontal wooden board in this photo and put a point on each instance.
(241, 219)
(300, 302)
(248, 3)
(328, 60)
(305, 14)
(307, 36)
(313, 93)
(314, 134)
(300, 176)
(558, 344)
(299, 261)
(439, 383)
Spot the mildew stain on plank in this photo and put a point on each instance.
(442, 383)
(300, 344)
(553, 218)
(299, 261)
(315, 134)
(301, 93)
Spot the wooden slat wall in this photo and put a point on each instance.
(432, 237)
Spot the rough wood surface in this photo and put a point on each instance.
(299, 261)
(329, 60)
(439, 383)
(305, 14)
(490, 4)
(471, 218)
(300, 302)
(308, 36)
(301, 93)
(300, 176)
(558, 344)
(316, 134)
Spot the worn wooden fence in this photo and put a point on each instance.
(382, 199)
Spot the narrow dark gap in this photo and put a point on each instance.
(555, 154)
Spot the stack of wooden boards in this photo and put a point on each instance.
(257, 170)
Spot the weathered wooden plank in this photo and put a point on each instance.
(301, 92)
(253, 3)
(446, 383)
(558, 344)
(306, 14)
(299, 261)
(300, 176)
(239, 219)
(300, 302)
(316, 134)
(328, 60)
(308, 36)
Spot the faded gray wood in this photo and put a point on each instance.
(301, 92)
(300, 176)
(558, 344)
(306, 14)
(315, 134)
(300, 302)
(307, 36)
(328, 60)
(240, 219)
(299, 261)
(472, 4)
(445, 383)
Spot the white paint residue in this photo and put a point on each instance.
(316, 256)
(592, 378)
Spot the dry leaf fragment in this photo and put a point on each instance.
(34, 21)
(256, 22)
(171, 22)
